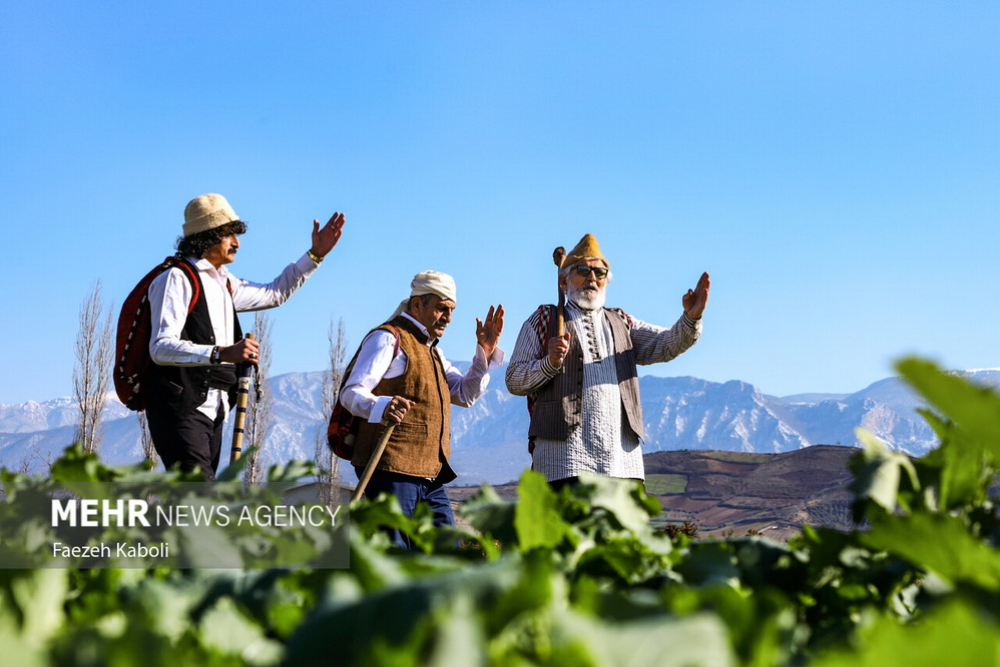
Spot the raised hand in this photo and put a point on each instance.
(488, 333)
(695, 300)
(324, 239)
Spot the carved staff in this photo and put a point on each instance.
(372, 462)
(558, 255)
(245, 371)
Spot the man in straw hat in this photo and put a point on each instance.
(192, 380)
(399, 375)
(582, 385)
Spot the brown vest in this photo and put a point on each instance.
(559, 403)
(421, 443)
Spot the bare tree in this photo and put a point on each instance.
(327, 463)
(149, 456)
(44, 458)
(23, 466)
(92, 373)
(260, 404)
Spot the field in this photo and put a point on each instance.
(731, 493)
(580, 577)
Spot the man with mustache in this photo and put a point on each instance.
(582, 386)
(196, 338)
(399, 375)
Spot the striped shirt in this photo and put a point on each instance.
(603, 443)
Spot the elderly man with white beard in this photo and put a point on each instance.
(582, 387)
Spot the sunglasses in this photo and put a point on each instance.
(583, 271)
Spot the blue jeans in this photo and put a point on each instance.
(409, 491)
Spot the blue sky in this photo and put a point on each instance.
(834, 165)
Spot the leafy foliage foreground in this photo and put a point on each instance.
(576, 578)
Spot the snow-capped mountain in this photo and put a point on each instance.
(489, 440)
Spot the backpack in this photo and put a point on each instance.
(343, 427)
(132, 358)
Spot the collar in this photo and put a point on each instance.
(431, 342)
(586, 312)
(205, 266)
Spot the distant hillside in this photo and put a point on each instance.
(733, 491)
(771, 493)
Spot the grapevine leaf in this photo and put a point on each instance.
(537, 519)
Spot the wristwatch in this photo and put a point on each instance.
(215, 356)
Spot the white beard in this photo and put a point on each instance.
(586, 299)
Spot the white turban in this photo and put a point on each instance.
(428, 282)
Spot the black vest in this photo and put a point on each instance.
(183, 388)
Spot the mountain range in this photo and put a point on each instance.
(489, 439)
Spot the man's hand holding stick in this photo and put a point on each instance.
(559, 343)
(394, 413)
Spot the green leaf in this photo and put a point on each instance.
(877, 471)
(624, 500)
(709, 563)
(959, 464)
(394, 615)
(207, 546)
(976, 410)
(226, 629)
(39, 595)
(17, 649)
(939, 543)
(166, 607)
(956, 635)
(537, 518)
(291, 471)
(663, 641)
(76, 465)
(458, 640)
(235, 469)
(491, 515)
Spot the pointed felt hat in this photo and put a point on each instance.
(587, 248)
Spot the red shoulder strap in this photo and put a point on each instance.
(350, 366)
(189, 271)
(395, 346)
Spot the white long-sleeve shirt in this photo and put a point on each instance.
(170, 295)
(376, 362)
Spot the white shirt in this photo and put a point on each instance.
(375, 361)
(170, 295)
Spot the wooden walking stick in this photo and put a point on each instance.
(244, 370)
(558, 255)
(373, 462)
